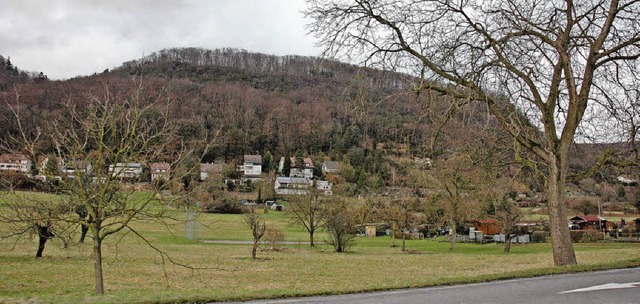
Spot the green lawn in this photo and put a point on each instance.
(136, 273)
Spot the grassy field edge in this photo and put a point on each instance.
(541, 272)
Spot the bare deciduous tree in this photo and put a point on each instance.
(464, 188)
(308, 211)
(97, 139)
(341, 225)
(508, 214)
(405, 213)
(551, 60)
(258, 227)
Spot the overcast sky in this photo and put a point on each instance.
(67, 38)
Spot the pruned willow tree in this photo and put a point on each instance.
(556, 62)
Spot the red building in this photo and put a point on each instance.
(487, 227)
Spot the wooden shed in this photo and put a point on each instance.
(487, 227)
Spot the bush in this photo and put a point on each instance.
(586, 236)
(274, 237)
(225, 206)
(627, 232)
(591, 236)
(539, 236)
(340, 225)
(576, 235)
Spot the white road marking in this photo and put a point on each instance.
(604, 287)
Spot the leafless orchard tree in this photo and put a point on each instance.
(508, 213)
(95, 135)
(256, 223)
(309, 211)
(404, 212)
(548, 58)
(340, 225)
(104, 131)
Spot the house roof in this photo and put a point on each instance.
(160, 166)
(255, 159)
(127, 165)
(308, 162)
(331, 165)
(215, 168)
(588, 218)
(13, 158)
(627, 179)
(293, 180)
(43, 159)
(487, 221)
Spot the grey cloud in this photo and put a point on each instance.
(75, 37)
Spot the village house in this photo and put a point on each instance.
(292, 185)
(15, 163)
(208, 170)
(251, 167)
(329, 166)
(627, 180)
(424, 163)
(300, 186)
(324, 187)
(160, 171)
(126, 170)
(307, 172)
(70, 168)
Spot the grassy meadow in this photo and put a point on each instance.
(134, 272)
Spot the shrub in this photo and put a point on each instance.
(225, 206)
(576, 235)
(340, 225)
(586, 236)
(539, 236)
(274, 237)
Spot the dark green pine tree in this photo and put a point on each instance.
(286, 167)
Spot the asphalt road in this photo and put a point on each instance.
(612, 286)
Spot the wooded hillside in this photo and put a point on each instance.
(256, 103)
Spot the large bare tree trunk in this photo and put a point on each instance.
(97, 261)
(563, 253)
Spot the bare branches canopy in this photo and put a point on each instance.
(552, 60)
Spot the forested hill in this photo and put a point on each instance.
(254, 103)
(262, 103)
(268, 72)
(285, 104)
